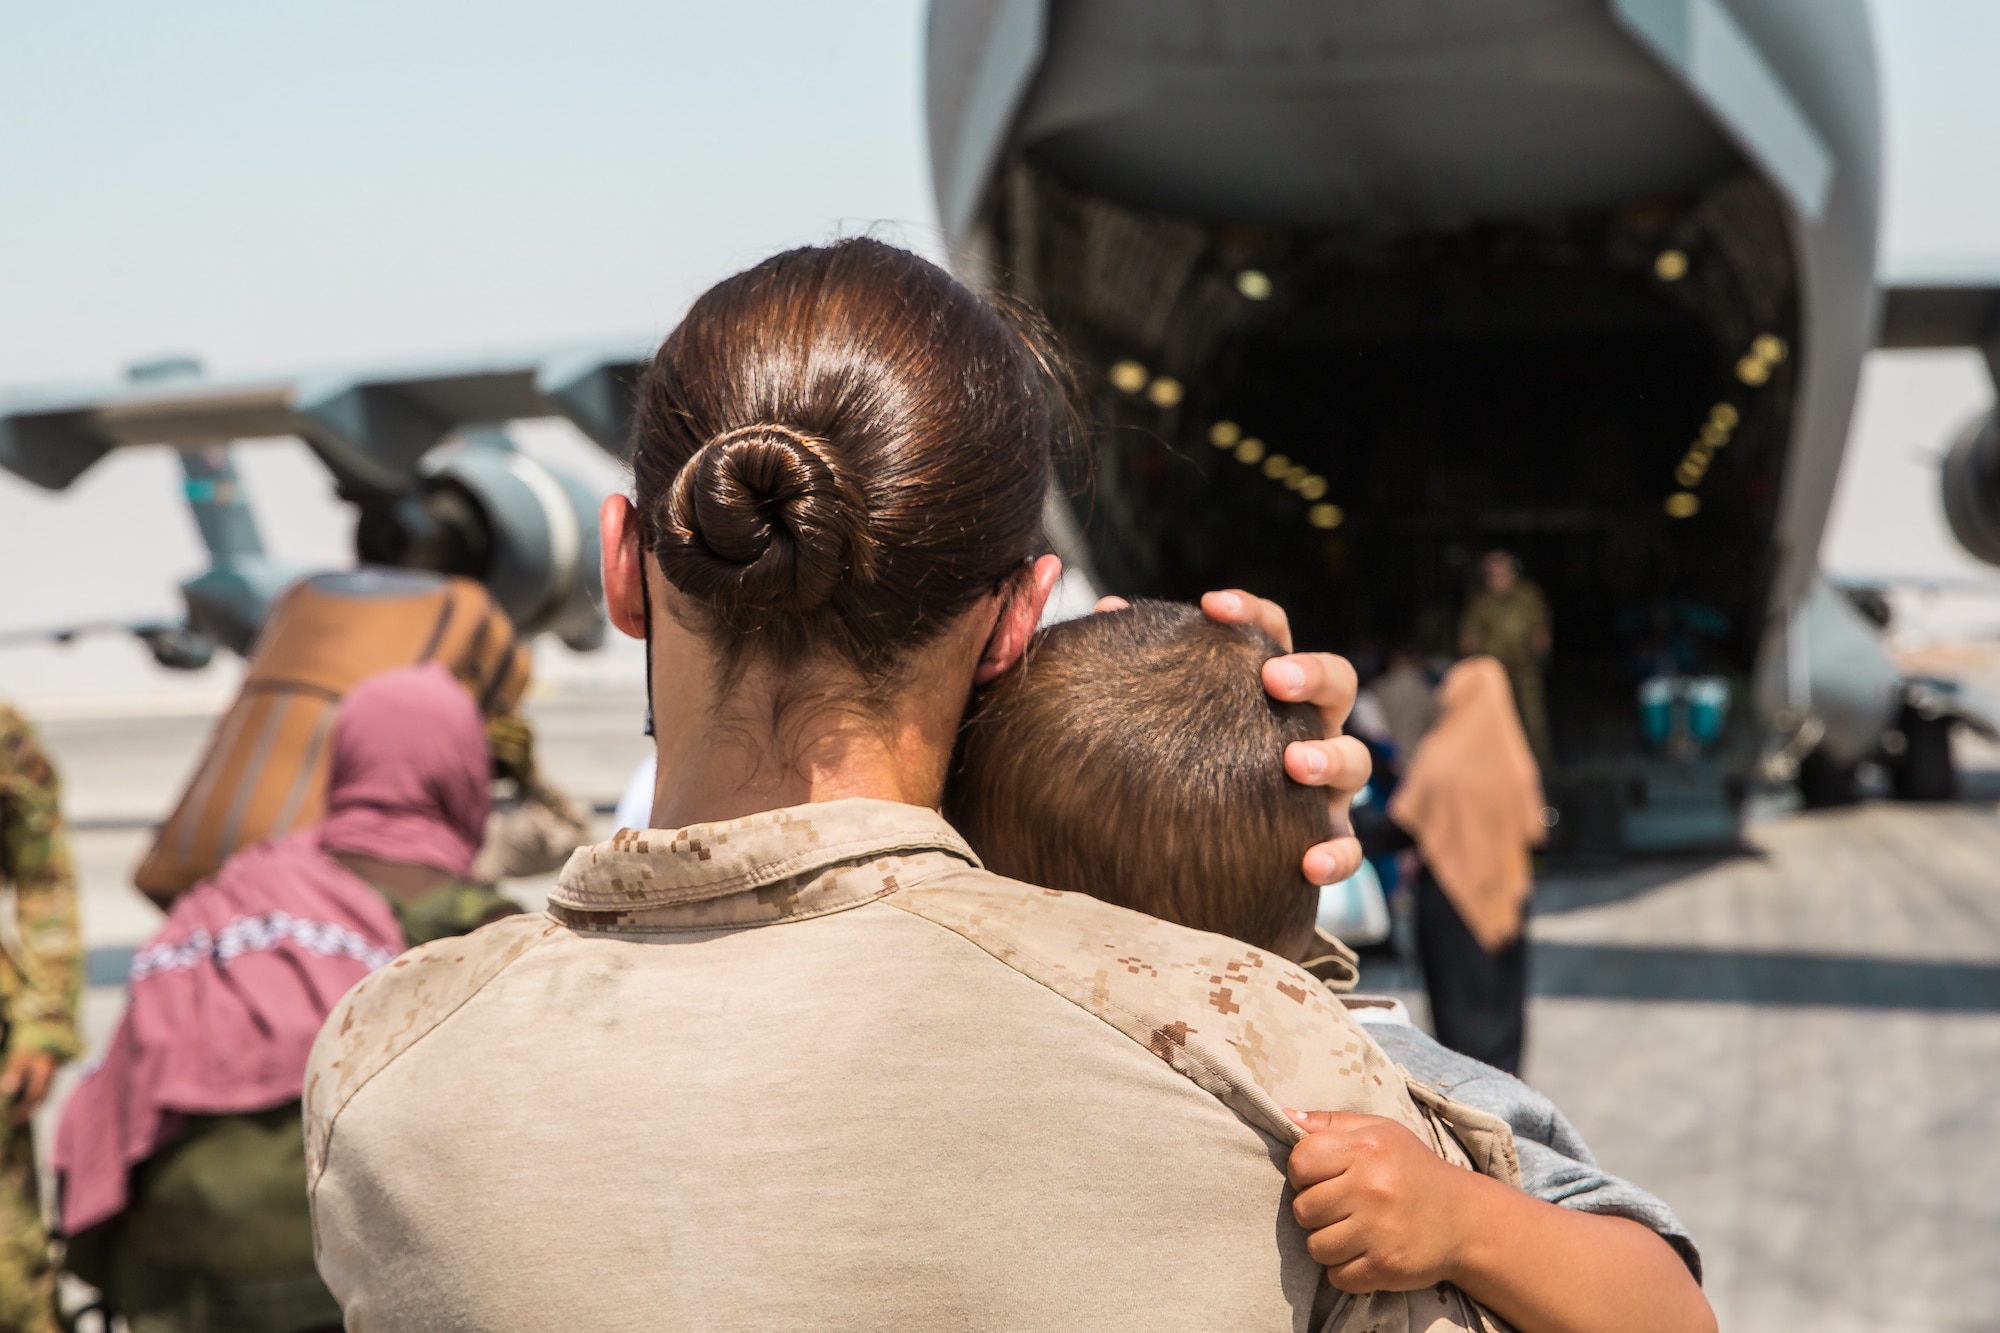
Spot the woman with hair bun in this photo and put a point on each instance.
(791, 1058)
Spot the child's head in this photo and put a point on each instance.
(1134, 756)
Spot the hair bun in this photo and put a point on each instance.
(761, 519)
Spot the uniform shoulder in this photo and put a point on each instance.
(1247, 1026)
(390, 1010)
(22, 758)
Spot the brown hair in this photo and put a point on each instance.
(838, 451)
(1134, 756)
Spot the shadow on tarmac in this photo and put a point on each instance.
(1741, 976)
(1729, 976)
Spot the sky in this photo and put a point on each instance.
(277, 186)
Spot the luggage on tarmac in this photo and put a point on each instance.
(264, 772)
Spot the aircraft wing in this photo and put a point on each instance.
(173, 644)
(1957, 316)
(370, 426)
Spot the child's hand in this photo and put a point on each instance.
(1385, 1212)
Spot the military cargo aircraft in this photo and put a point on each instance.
(417, 450)
(1359, 290)
(1362, 290)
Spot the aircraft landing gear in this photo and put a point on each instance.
(1919, 754)
(1825, 783)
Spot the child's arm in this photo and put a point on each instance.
(1388, 1214)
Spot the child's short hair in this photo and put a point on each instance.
(1134, 756)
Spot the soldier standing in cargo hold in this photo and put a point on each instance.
(40, 982)
(1508, 619)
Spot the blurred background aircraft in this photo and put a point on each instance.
(430, 189)
(1667, 195)
(1364, 291)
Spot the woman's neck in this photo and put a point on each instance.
(777, 740)
(737, 772)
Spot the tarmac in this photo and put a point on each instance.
(1799, 1048)
(1796, 1044)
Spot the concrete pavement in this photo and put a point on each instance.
(1798, 1046)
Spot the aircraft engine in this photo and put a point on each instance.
(1971, 483)
(486, 511)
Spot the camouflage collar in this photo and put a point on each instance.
(774, 866)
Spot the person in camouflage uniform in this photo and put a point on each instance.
(41, 981)
(534, 826)
(1508, 619)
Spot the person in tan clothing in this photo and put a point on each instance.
(792, 1058)
(1471, 804)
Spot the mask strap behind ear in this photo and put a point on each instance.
(1009, 588)
(646, 584)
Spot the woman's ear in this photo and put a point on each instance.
(624, 565)
(1020, 613)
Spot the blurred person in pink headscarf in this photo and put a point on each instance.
(180, 1157)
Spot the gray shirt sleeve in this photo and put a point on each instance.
(1556, 1164)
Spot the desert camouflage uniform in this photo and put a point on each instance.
(41, 981)
(564, 1068)
(1508, 628)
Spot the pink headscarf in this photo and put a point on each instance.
(227, 997)
(408, 777)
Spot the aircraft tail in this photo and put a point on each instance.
(221, 511)
(228, 600)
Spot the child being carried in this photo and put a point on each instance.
(1132, 755)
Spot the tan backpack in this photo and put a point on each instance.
(264, 772)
